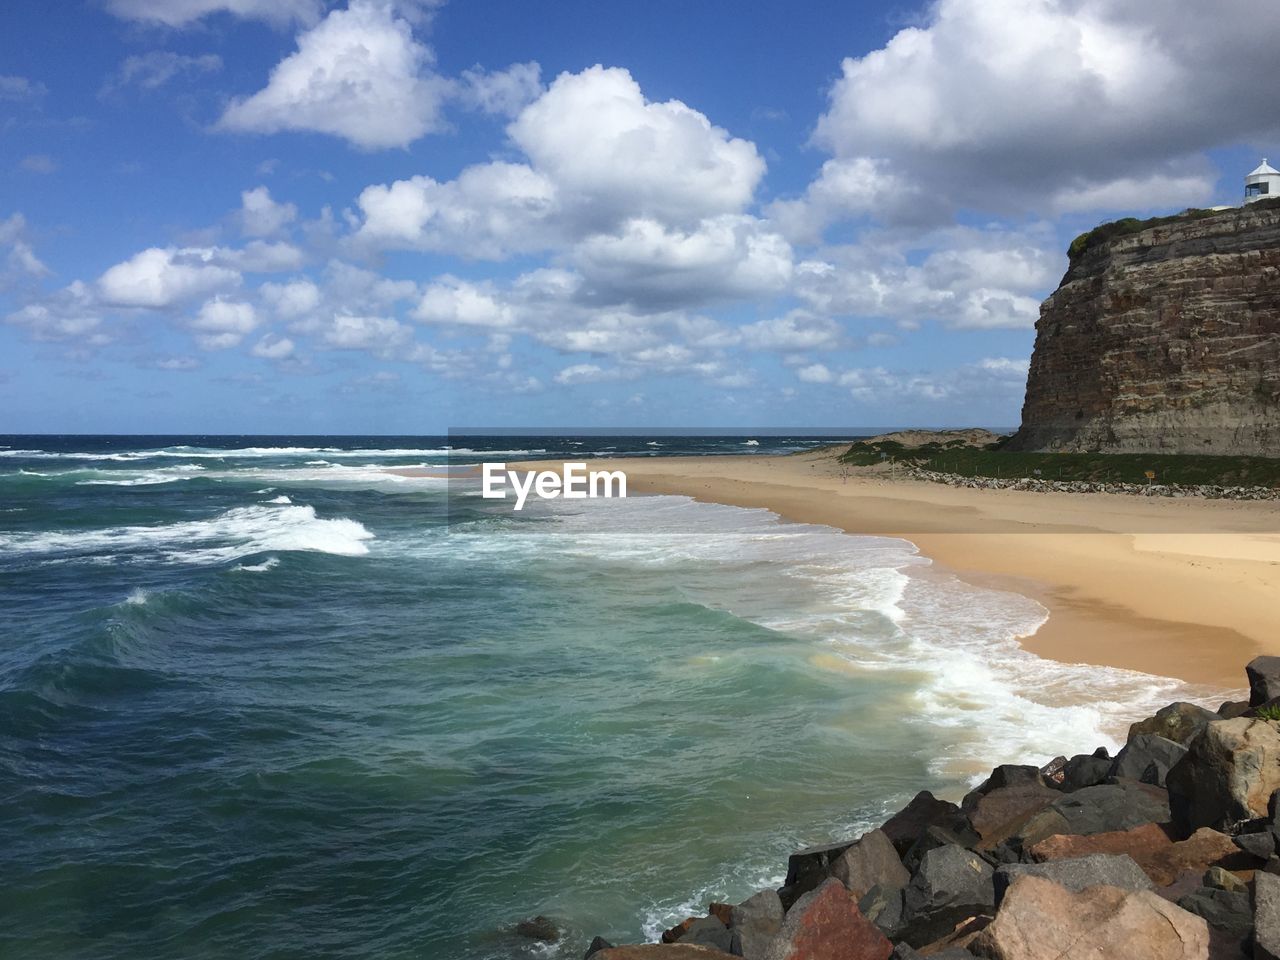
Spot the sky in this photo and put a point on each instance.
(408, 216)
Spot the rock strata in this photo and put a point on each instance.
(1166, 340)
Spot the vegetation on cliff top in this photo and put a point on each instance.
(1104, 233)
(993, 461)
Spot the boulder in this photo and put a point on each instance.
(538, 928)
(1053, 771)
(825, 924)
(1266, 918)
(1006, 775)
(870, 862)
(1231, 709)
(1041, 920)
(808, 868)
(1228, 775)
(1179, 722)
(1147, 758)
(709, 932)
(755, 922)
(1221, 909)
(951, 885)
(1220, 878)
(1001, 811)
(722, 912)
(659, 951)
(925, 810)
(883, 907)
(936, 837)
(672, 934)
(1264, 679)
(1140, 843)
(1077, 874)
(1107, 807)
(1260, 845)
(1085, 770)
(597, 944)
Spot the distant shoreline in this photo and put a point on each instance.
(1173, 588)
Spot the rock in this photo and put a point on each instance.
(1053, 771)
(673, 934)
(538, 928)
(1221, 909)
(936, 837)
(956, 943)
(1179, 722)
(925, 810)
(1231, 709)
(1085, 771)
(1000, 812)
(1266, 919)
(904, 951)
(825, 924)
(708, 932)
(1040, 920)
(1220, 878)
(869, 862)
(808, 868)
(1140, 843)
(1100, 809)
(1164, 340)
(659, 951)
(722, 912)
(1260, 845)
(1147, 758)
(951, 885)
(1264, 679)
(1077, 874)
(597, 944)
(1007, 775)
(755, 922)
(883, 907)
(1228, 775)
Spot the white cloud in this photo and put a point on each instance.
(797, 330)
(261, 216)
(585, 373)
(291, 300)
(504, 92)
(20, 89)
(379, 335)
(815, 373)
(453, 301)
(161, 277)
(179, 13)
(273, 347)
(223, 323)
(71, 313)
(359, 74)
(1046, 105)
(615, 154)
(150, 71)
(20, 260)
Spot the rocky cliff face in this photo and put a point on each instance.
(1163, 341)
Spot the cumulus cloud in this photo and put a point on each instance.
(221, 324)
(456, 302)
(20, 260)
(815, 373)
(291, 300)
(1047, 105)
(273, 347)
(359, 74)
(162, 277)
(378, 335)
(261, 216)
(71, 313)
(179, 13)
(585, 373)
(797, 330)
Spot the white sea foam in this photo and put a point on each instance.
(214, 453)
(280, 499)
(268, 564)
(869, 606)
(239, 532)
(137, 597)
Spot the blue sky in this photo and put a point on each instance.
(397, 216)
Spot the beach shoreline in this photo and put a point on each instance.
(1173, 587)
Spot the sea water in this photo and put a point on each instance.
(265, 698)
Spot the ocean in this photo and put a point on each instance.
(262, 698)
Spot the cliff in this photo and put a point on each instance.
(1164, 340)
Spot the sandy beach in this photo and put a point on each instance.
(1181, 588)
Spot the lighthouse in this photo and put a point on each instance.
(1262, 184)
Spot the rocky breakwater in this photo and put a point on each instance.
(1166, 851)
(1163, 337)
(1037, 485)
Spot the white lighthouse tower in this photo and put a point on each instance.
(1262, 183)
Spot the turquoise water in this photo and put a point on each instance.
(260, 700)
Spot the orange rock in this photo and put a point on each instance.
(722, 912)
(1150, 847)
(679, 930)
(827, 925)
(1139, 843)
